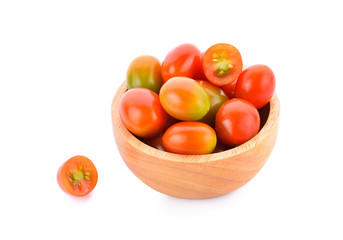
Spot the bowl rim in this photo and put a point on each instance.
(272, 119)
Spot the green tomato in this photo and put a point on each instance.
(145, 72)
(217, 98)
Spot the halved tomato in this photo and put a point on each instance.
(77, 176)
(222, 64)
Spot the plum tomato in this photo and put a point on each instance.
(190, 138)
(217, 98)
(222, 64)
(182, 61)
(184, 99)
(141, 112)
(256, 84)
(237, 121)
(144, 71)
(77, 176)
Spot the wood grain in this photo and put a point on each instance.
(195, 176)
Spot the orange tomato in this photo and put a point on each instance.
(77, 176)
(184, 99)
(190, 138)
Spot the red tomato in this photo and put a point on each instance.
(222, 64)
(190, 138)
(141, 112)
(77, 176)
(182, 61)
(256, 84)
(237, 121)
(230, 89)
(184, 99)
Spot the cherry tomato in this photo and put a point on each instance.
(217, 98)
(144, 71)
(182, 61)
(256, 84)
(230, 89)
(222, 64)
(77, 176)
(237, 121)
(141, 112)
(184, 99)
(190, 138)
(155, 142)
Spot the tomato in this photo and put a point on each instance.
(190, 138)
(184, 99)
(144, 71)
(141, 112)
(230, 89)
(256, 84)
(182, 61)
(155, 142)
(237, 121)
(217, 98)
(222, 64)
(77, 176)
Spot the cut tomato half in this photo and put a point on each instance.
(77, 176)
(222, 64)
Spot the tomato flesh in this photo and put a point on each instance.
(77, 176)
(222, 64)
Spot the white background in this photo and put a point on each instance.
(60, 65)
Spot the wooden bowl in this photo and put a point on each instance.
(196, 176)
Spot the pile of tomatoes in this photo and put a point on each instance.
(195, 102)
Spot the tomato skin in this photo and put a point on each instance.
(190, 138)
(182, 61)
(141, 112)
(85, 169)
(237, 121)
(230, 89)
(144, 71)
(217, 98)
(222, 64)
(184, 99)
(256, 84)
